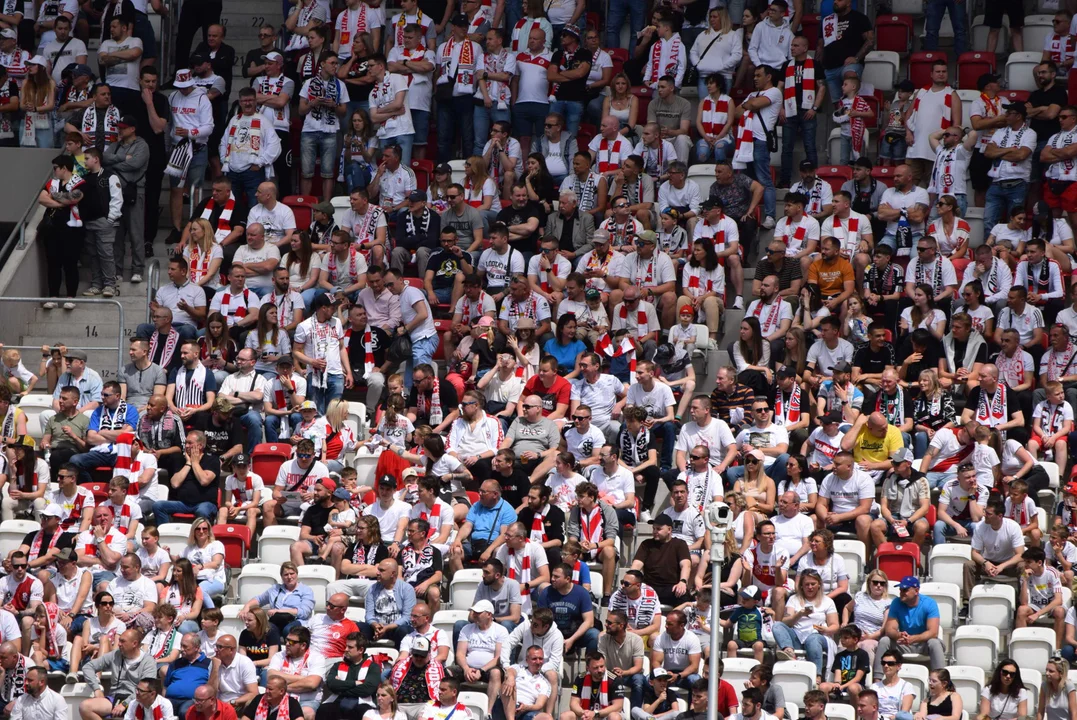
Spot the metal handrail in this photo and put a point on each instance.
(17, 239)
(118, 347)
(153, 281)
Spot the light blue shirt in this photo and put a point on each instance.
(483, 519)
(279, 598)
(89, 386)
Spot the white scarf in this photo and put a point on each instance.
(190, 389)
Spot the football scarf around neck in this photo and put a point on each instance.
(944, 171)
(469, 311)
(35, 546)
(538, 525)
(424, 223)
(807, 100)
(262, 712)
(715, 113)
(936, 274)
(1065, 170)
(1005, 144)
(787, 412)
(224, 220)
(587, 692)
(432, 406)
(111, 128)
(670, 68)
(353, 265)
(15, 678)
(10, 416)
(642, 327)
(586, 190)
(634, 449)
(433, 674)
(591, 525)
(992, 411)
(744, 150)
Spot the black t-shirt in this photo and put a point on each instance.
(259, 649)
(358, 92)
(1042, 98)
(254, 57)
(929, 361)
(295, 710)
(156, 141)
(871, 362)
(849, 663)
(449, 399)
(368, 558)
(851, 29)
(192, 492)
(553, 522)
(514, 487)
(221, 438)
(315, 517)
(575, 90)
(445, 266)
(67, 539)
(613, 689)
(959, 354)
(379, 343)
(419, 566)
(798, 78)
(513, 216)
(1012, 406)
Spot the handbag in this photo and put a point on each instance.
(400, 349)
(772, 137)
(691, 75)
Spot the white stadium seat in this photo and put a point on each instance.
(365, 466)
(1033, 680)
(231, 625)
(993, 605)
(476, 702)
(839, 711)
(1036, 31)
(974, 216)
(317, 578)
(968, 681)
(457, 170)
(356, 614)
(444, 620)
(275, 543)
(795, 677)
(979, 42)
(703, 177)
(854, 554)
(73, 695)
(255, 579)
(948, 597)
(462, 588)
(341, 204)
(977, 645)
(737, 671)
(946, 562)
(917, 676)
(174, 537)
(1031, 647)
(881, 69)
(12, 533)
(1019, 67)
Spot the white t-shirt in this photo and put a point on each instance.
(204, 556)
(770, 436)
(716, 436)
(600, 396)
(805, 625)
(903, 201)
(482, 644)
(656, 401)
(122, 74)
(383, 93)
(409, 298)
(826, 358)
(676, 653)
(322, 341)
(59, 61)
(927, 322)
(791, 532)
(998, 545)
(276, 222)
(388, 518)
(845, 495)
(320, 118)
(132, 596)
(315, 665)
(420, 90)
(498, 267)
(245, 254)
(1004, 707)
(768, 115)
(890, 697)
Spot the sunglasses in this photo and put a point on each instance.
(467, 403)
(531, 407)
(304, 456)
(922, 249)
(452, 197)
(1007, 673)
(879, 582)
(109, 603)
(20, 565)
(581, 417)
(892, 663)
(701, 457)
(752, 461)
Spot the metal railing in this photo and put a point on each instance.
(17, 239)
(118, 347)
(153, 281)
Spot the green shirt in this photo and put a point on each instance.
(80, 424)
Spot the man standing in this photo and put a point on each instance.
(129, 158)
(668, 56)
(461, 65)
(319, 342)
(101, 208)
(756, 118)
(249, 146)
(1044, 105)
(803, 96)
(567, 71)
(1010, 150)
(413, 60)
(771, 47)
(322, 101)
(274, 91)
(366, 345)
(904, 208)
(673, 115)
(936, 106)
(418, 323)
(192, 126)
(119, 58)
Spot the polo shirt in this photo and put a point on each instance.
(184, 677)
(485, 522)
(169, 296)
(913, 620)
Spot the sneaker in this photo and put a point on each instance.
(783, 655)
(50, 305)
(768, 223)
(92, 292)
(136, 279)
(110, 292)
(71, 678)
(69, 306)
(738, 304)
(645, 516)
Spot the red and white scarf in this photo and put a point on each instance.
(586, 691)
(714, 114)
(674, 44)
(198, 261)
(469, 312)
(171, 343)
(627, 346)
(992, 109)
(140, 710)
(368, 350)
(524, 576)
(353, 265)
(430, 517)
(830, 29)
(246, 494)
(282, 710)
(787, 413)
(609, 165)
(89, 122)
(858, 125)
(432, 407)
(642, 327)
(807, 84)
(464, 71)
(944, 171)
(433, 674)
(350, 22)
(772, 321)
(35, 546)
(849, 233)
(992, 412)
(73, 519)
(744, 150)
(538, 529)
(240, 311)
(591, 525)
(279, 399)
(694, 288)
(1061, 47)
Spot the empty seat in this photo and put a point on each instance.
(839, 711)
(974, 216)
(1031, 647)
(275, 543)
(12, 533)
(231, 625)
(970, 66)
(795, 677)
(703, 176)
(898, 559)
(835, 175)
(1019, 70)
(737, 671)
(255, 579)
(302, 208)
(893, 33)
(917, 676)
(968, 682)
(979, 42)
(853, 552)
(266, 458)
(946, 562)
(365, 465)
(977, 645)
(444, 620)
(317, 578)
(885, 175)
(1036, 31)
(476, 702)
(993, 605)
(174, 537)
(881, 69)
(967, 97)
(462, 588)
(1033, 681)
(947, 596)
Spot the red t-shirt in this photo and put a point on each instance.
(561, 392)
(727, 698)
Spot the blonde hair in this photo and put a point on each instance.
(736, 500)
(479, 172)
(205, 245)
(12, 355)
(336, 412)
(875, 575)
(726, 22)
(933, 380)
(192, 538)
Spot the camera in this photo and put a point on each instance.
(719, 518)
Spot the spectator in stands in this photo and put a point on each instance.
(327, 354)
(390, 601)
(99, 122)
(271, 701)
(964, 352)
(160, 433)
(991, 404)
(905, 205)
(1010, 149)
(1005, 691)
(192, 127)
(237, 678)
(460, 66)
(665, 562)
(227, 215)
(485, 528)
(998, 545)
(302, 669)
(418, 323)
(810, 616)
(129, 666)
(594, 522)
(599, 392)
(186, 308)
(192, 388)
(137, 594)
(61, 229)
(194, 484)
(245, 389)
(421, 564)
(110, 419)
(64, 432)
(936, 106)
(249, 145)
(287, 604)
(100, 210)
(678, 651)
(573, 613)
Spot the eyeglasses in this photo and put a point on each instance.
(581, 417)
(291, 641)
(620, 206)
(922, 249)
(20, 565)
(204, 528)
(330, 605)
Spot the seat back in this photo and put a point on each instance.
(881, 69)
(977, 646)
(302, 208)
(275, 543)
(968, 682)
(948, 561)
(703, 176)
(462, 588)
(979, 42)
(236, 540)
(737, 671)
(317, 577)
(476, 702)
(920, 66)
(795, 677)
(885, 175)
(993, 605)
(174, 537)
(1031, 647)
(898, 559)
(841, 711)
(424, 170)
(267, 458)
(893, 33)
(948, 597)
(12, 533)
(917, 676)
(974, 216)
(231, 625)
(970, 66)
(835, 175)
(1036, 30)
(853, 552)
(255, 580)
(1019, 70)
(1033, 681)
(644, 94)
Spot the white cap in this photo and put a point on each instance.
(483, 606)
(38, 60)
(52, 510)
(184, 79)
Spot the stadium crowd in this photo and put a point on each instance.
(522, 340)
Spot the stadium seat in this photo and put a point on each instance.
(839, 711)
(1019, 66)
(947, 596)
(875, 102)
(174, 536)
(979, 42)
(794, 677)
(355, 614)
(1046, 498)
(341, 205)
(881, 69)
(968, 682)
(970, 66)
(99, 490)
(598, 586)
(619, 56)
(911, 7)
(275, 543)
(12, 533)
(835, 175)
(947, 561)
(737, 672)
(457, 170)
(463, 586)
(237, 542)
(898, 559)
(920, 66)
(32, 405)
(917, 676)
(317, 577)
(809, 28)
(644, 94)
(231, 625)
(255, 579)
(1036, 31)
(444, 620)
(424, 171)
(365, 466)
(302, 207)
(974, 216)
(73, 695)
(967, 97)
(854, 553)
(476, 702)
(1011, 95)
(703, 176)
(994, 605)
(893, 33)
(834, 146)
(977, 645)
(1033, 680)
(267, 459)
(885, 175)
(1031, 647)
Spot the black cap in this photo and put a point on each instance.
(198, 58)
(128, 121)
(831, 417)
(863, 162)
(1016, 107)
(417, 196)
(906, 86)
(807, 165)
(387, 479)
(664, 354)
(786, 371)
(286, 359)
(322, 300)
(662, 519)
(241, 459)
(986, 79)
(842, 366)
(443, 168)
(460, 20)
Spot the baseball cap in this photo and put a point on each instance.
(199, 59)
(241, 459)
(571, 30)
(756, 453)
(420, 646)
(592, 294)
(831, 417)
(1016, 107)
(52, 510)
(223, 405)
(483, 606)
(601, 237)
(460, 20)
(664, 354)
(328, 484)
(38, 60)
(66, 555)
(864, 163)
(901, 455)
(647, 236)
(687, 310)
(441, 168)
(286, 359)
(673, 213)
(76, 354)
(417, 196)
(710, 204)
(662, 520)
(387, 479)
(906, 86)
(128, 121)
(184, 79)
(342, 494)
(525, 323)
(25, 441)
(786, 371)
(308, 405)
(807, 165)
(8, 33)
(842, 366)
(485, 321)
(273, 56)
(324, 208)
(750, 593)
(660, 673)
(81, 69)
(411, 472)
(909, 581)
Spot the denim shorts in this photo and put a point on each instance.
(420, 120)
(313, 144)
(196, 171)
(528, 118)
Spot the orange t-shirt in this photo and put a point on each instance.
(830, 276)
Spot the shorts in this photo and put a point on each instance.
(420, 120)
(60, 665)
(1067, 199)
(746, 644)
(1014, 9)
(312, 704)
(196, 171)
(846, 526)
(979, 166)
(103, 576)
(314, 144)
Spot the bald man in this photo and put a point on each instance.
(128, 664)
(531, 435)
(328, 630)
(207, 706)
(394, 624)
(276, 217)
(186, 674)
(258, 258)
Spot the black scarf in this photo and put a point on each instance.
(409, 224)
(634, 449)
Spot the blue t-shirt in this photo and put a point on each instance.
(749, 624)
(913, 620)
(130, 418)
(566, 354)
(568, 609)
(483, 519)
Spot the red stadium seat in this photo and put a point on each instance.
(809, 28)
(584, 135)
(472, 496)
(875, 101)
(619, 56)
(236, 540)
(1010, 96)
(369, 498)
(414, 282)
(920, 66)
(898, 559)
(99, 490)
(301, 206)
(267, 459)
(738, 95)
(893, 33)
(644, 94)
(594, 20)
(836, 175)
(971, 65)
(959, 267)
(424, 170)
(885, 175)
(932, 516)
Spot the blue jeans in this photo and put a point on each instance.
(189, 626)
(938, 479)
(252, 422)
(529, 118)
(209, 589)
(942, 531)
(846, 149)
(444, 294)
(719, 152)
(90, 461)
(934, 11)
(919, 444)
(163, 510)
(196, 170)
(1000, 200)
(405, 143)
(814, 647)
(514, 12)
(422, 351)
(420, 122)
(273, 426)
(761, 172)
(834, 78)
(797, 126)
(484, 118)
(247, 181)
(667, 432)
(775, 472)
(895, 150)
(618, 10)
(572, 112)
(315, 144)
(636, 684)
(356, 175)
(334, 388)
(456, 114)
(308, 296)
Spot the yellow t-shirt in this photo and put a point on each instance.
(869, 448)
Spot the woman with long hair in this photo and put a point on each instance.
(810, 616)
(360, 150)
(983, 318)
(37, 98)
(743, 520)
(796, 351)
(942, 701)
(1058, 699)
(538, 182)
(622, 104)
(715, 113)
(756, 486)
(751, 357)
(268, 341)
(923, 313)
(703, 286)
(341, 439)
(355, 73)
(439, 188)
(480, 190)
(368, 549)
(1013, 230)
(99, 634)
(869, 611)
(452, 473)
(395, 427)
(524, 344)
(204, 257)
(829, 565)
(1017, 463)
(932, 410)
(260, 641)
(1005, 697)
(217, 349)
(745, 70)
(301, 262)
(856, 322)
(183, 594)
(387, 707)
(206, 554)
(799, 482)
(949, 230)
(811, 310)
(717, 51)
(563, 480)
(565, 347)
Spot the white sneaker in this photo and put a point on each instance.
(69, 306)
(109, 292)
(768, 223)
(92, 292)
(136, 279)
(738, 304)
(50, 305)
(645, 516)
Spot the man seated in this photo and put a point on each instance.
(301, 668)
(524, 561)
(572, 609)
(134, 594)
(846, 495)
(912, 626)
(416, 677)
(1040, 594)
(595, 693)
(678, 651)
(446, 704)
(189, 672)
(195, 485)
(997, 547)
(295, 483)
(872, 441)
(128, 663)
(421, 563)
(389, 601)
(100, 548)
(485, 528)
(478, 652)
(270, 702)
(312, 526)
(529, 691)
(904, 503)
(666, 562)
(594, 523)
(640, 604)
